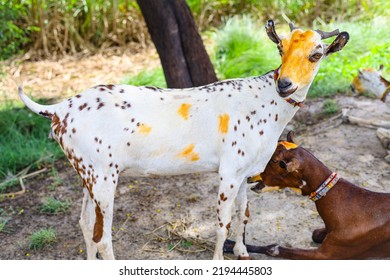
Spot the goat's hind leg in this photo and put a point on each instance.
(87, 219)
(96, 218)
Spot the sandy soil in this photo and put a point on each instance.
(174, 217)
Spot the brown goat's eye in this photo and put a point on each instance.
(315, 57)
(282, 164)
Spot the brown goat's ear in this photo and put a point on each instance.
(292, 165)
(338, 44)
(291, 136)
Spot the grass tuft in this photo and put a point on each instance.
(54, 206)
(42, 238)
(330, 107)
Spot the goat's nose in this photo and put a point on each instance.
(284, 84)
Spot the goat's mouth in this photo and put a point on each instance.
(258, 187)
(286, 93)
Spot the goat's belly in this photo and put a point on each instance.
(168, 167)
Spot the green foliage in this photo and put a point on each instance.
(242, 49)
(154, 77)
(12, 35)
(54, 206)
(24, 140)
(42, 238)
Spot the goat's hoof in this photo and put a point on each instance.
(245, 258)
(228, 246)
(273, 250)
(319, 235)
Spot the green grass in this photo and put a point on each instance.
(54, 206)
(330, 107)
(24, 141)
(2, 224)
(42, 238)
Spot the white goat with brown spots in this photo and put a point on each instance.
(230, 126)
(371, 81)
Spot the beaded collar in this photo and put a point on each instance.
(321, 191)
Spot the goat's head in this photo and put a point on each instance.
(283, 170)
(370, 81)
(301, 53)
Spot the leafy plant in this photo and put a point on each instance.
(13, 37)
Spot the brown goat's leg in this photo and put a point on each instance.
(319, 235)
(298, 254)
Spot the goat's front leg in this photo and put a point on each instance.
(240, 249)
(227, 194)
(295, 254)
(319, 235)
(322, 253)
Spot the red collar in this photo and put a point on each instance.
(294, 103)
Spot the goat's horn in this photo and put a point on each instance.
(292, 27)
(270, 29)
(325, 34)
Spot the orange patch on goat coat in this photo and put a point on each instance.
(224, 123)
(357, 84)
(189, 153)
(145, 129)
(295, 59)
(184, 110)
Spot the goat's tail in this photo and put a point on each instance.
(43, 110)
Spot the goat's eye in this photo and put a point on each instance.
(315, 57)
(282, 164)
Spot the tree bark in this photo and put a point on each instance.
(182, 54)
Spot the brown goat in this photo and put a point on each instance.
(357, 221)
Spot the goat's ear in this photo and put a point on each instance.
(338, 44)
(381, 68)
(291, 136)
(290, 166)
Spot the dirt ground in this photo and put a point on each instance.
(174, 217)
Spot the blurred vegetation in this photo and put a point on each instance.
(24, 141)
(47, 28)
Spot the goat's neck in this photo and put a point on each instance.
(315, 173)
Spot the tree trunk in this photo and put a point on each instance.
(182, 54)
